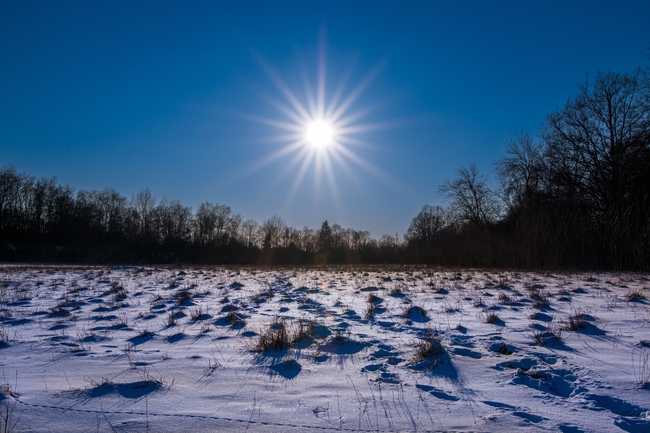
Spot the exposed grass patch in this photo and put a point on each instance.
(274, 338)
(59, 311)
(182, 296)
(8, 417)
(372, 298)
(503, 349)
(539, 298)
(145, 333)
(634, 295)
(504, 298)
(4, 337)
(430, 347)
(304, 332)
(577, 320)
(414, 310)
(552, 334)
(234, 319)
(196, 314)
(370, 312)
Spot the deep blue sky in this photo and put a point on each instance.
(164, 94)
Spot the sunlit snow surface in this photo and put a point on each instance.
(173, 349)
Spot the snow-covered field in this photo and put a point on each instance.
(368, 349)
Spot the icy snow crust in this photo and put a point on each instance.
(168, 349)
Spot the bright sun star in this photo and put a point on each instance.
(320, 130)
(319, 133)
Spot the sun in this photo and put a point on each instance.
(319, 133)
(319, 130)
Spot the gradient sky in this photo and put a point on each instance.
(183, 97)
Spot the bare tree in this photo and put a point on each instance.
(521, 172)
(174, 220)
(10, 182)
(338, 233)
(425, 228)
(223, 219)
(248, 233)
(205, 221)
(232, 226)
(470, 198)
(308, 239)
(271, 231)
(143, 204)
(360, 239)
(597, 145)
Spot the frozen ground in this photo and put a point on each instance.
(375, 349)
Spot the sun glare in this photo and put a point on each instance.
(321, 130)
(319, 133)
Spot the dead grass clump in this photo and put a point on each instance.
(577, 320)
(8, 418)
(304, 331)
(196, 314)
(115, 288)
(340, 338)
(414, 310)
(273, 339)
(634, 296)
(504, 298)
(503, 349)
(144, 333)
(539, 298)
(59, 311)
(429, 347)
(118, 291)
(183, 296)
(492, 318)
(370, 312)
(372, 298)
(4, 337)
(552, 334)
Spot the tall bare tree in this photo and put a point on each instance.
(144, 204)
(471, 200)
(426, 227)
(521, 173)
(598, 144)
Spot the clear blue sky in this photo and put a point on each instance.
(169, 95)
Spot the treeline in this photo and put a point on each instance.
(576, 195)
(44, 221)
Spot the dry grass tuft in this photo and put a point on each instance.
(430, 347)
(183, 296)
(634, 295)
(273, 339)
(540, 299)
(370, 312)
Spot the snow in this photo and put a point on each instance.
(370, 349)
